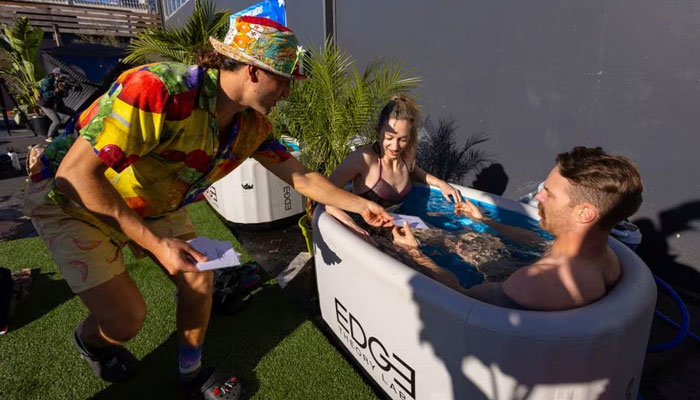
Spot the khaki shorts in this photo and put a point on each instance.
(85, 255)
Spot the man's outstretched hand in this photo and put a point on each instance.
(468, 209)
(404, 237)
(375, 215)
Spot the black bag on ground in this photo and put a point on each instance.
(228, 296)
(5, 298)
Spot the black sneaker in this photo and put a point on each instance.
(112, 364)
(208, 386)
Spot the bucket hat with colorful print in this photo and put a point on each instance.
(263, 43)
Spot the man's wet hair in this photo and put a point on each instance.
(611, 183)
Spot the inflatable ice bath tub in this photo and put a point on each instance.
(418, 339)
(251, 197)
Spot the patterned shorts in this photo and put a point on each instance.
(85, 255)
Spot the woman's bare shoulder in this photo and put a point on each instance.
(364, 153)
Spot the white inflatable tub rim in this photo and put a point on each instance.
(536, 325)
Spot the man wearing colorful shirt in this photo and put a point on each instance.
(151, 145)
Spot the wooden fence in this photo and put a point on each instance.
(101, 21)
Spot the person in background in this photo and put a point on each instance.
(52, 90)
(382, 172)
(585, 195)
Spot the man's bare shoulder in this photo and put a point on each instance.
(554, 283)
(613, 270)
(543, 268)
(545, 285)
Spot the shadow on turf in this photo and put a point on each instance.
(45, 294)
(235, 345)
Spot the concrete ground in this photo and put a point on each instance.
(670, 375)
(13, 224)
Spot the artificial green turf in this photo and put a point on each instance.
(271, 345)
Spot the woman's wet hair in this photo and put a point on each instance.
(212, 59)
(402, 107)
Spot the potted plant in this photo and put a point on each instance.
(20, 69)
(439, 154)
(336, 108)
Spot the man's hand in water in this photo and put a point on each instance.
(375, 215)
(404, 237)
(468, 209)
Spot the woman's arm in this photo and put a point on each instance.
(446, 189)
(352, 167)
(347, 220)
(347, 171)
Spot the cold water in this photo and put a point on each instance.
(431, 207)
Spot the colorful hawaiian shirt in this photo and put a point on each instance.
(157, 132)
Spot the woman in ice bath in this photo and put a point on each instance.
(382, 172)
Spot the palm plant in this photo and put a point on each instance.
(439, 154)
(337, 106)
(180, 44)
(20, 67)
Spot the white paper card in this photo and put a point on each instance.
(220, 254)
(293, 269)
(413, 221)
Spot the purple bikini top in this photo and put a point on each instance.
(382, 192)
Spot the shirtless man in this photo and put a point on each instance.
(584, 196)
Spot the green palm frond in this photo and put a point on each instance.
(439, 154)
(20, 68)
(337, 105)
(180, 44)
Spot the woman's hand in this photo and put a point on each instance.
(468, 209)
(361, 232)
(404, 237)
(447, 191)
(375, 215)
(346, 220)
(461, 207)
